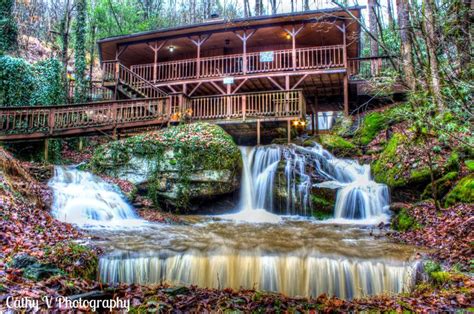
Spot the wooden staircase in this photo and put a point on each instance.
(128, 83)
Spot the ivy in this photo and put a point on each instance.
(8, 27)
(24, 84)
(80, 93)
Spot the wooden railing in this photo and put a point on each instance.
(229, 65)
(95, 91)
(369, 67)
(42, 122)
(71, 119)
(259, 105)
(117, 72)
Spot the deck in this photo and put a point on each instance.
(20, 123)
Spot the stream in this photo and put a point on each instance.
(251, 246)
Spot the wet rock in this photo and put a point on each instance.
(38, 271)
(176, 166)
(23, 260)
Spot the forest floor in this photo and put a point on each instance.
(41, 256)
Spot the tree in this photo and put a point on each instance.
(8, 27)
(258, 7)
(374, 46)
(80, 92)
(405, 43)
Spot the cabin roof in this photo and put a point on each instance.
(108, 46)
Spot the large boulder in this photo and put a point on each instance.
(176, 165)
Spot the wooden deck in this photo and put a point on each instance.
(20, 123)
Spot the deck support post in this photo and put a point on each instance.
(316, 113)
(46, 149)
(200, 40)
(258, 131)
(288, 130)
(81, 144)
(244, 39)
(312, 123)
(346, 95)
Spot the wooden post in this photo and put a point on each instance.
(258, 131)
(346, 95)
(316, 112)
(228, 101)
(81, 144)
(288, 131)
(198, 44)
(293, 34)
(155, 49)
(244, 39)
(313, 124)
(46, 149)
(244, 107)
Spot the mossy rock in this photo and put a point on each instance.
(322, 203)
(344, 126)
(443, 185)
(403, 221)
(176, 164)
(335, 144)
(463, 192)
(469, 165)
(371, 125)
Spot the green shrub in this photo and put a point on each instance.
(8, 27)
(16, 82)
(50, 88)
(403, 221)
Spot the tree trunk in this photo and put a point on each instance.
(306, 5)
(391, 21)
(374, 46)
(405, 43)
(247, 11)
(258, 7)
(431, 43)
(273, 4)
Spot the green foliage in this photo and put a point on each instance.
(431, 267)
(80, 92)
(371, 125)
(8, 27)
(338, 145)
(403, 221)
(23, 84)
(443, 185)
(16, 82)
(469, 164)
(50, 89)
(463, 192)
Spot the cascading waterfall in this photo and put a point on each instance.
(302, 274)
(85, 199)
(358, 196)
(259, 165)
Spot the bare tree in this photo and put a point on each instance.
(405, 43)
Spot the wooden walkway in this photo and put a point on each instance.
(22, 123)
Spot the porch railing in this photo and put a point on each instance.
(228, 65)
(75, 118)
(368, 67)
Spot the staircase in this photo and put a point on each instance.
(128, 83)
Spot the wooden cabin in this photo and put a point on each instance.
(263, 69)
(306, 58)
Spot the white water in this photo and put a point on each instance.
(296, 274)
(81, 198)
(256, 193)
(359, 198)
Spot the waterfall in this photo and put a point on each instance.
(259, 165)
(80, 197)
(358, 196)
(298, 274)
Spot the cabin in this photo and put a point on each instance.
(281, 68)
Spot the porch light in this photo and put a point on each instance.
(171, 48)
(288, 36)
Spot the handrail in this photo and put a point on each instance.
(135, 77)
(233, 64)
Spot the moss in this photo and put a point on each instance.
(463, 192)
(453, 162)
(470, 165)
(403, 221)
(336, 144)
(393, 175)
(343, 126)
(443, 185)
(440, 277)
(370, 126)
(420, 175)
